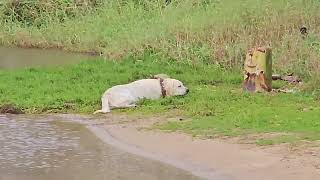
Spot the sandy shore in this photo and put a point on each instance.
(224, 157)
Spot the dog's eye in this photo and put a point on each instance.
(179, 86)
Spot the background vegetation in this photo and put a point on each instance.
(209, 31)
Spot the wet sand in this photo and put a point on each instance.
(217, 159)
(224, 157)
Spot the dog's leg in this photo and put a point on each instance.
(105, 106)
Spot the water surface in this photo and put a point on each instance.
(14, 58)
(39, 149)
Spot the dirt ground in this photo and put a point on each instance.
(241, 161)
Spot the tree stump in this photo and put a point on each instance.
(258, 70)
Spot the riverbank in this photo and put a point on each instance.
(213, 158)
(215, 106)
(200, 43)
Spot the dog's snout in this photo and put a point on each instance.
(187, 90)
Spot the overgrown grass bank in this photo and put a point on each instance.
(214, 31)
(215, 104)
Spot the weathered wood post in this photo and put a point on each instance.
(258, 70)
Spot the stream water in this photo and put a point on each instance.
(41, 149)
(14, 58)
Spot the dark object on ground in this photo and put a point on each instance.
(10, 109)
(304, 31)
(289, 78)
(276, 77)
(294, 83)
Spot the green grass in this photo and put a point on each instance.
(223, 110)
(280, 139)
(215, 105)
(51, 89)
(219, 32)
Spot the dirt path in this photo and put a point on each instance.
(239, 161)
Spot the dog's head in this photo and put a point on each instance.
(174, 87)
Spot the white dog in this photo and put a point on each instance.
(127, 95)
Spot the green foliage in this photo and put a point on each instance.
(195, 31)
(42, 12)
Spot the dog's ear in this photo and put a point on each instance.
(168, 86)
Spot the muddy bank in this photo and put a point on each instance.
(10, 109)
(223, 157)
(98, 127)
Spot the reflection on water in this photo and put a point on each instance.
(36, 149)
(13, 58)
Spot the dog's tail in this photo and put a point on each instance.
(105, 106)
